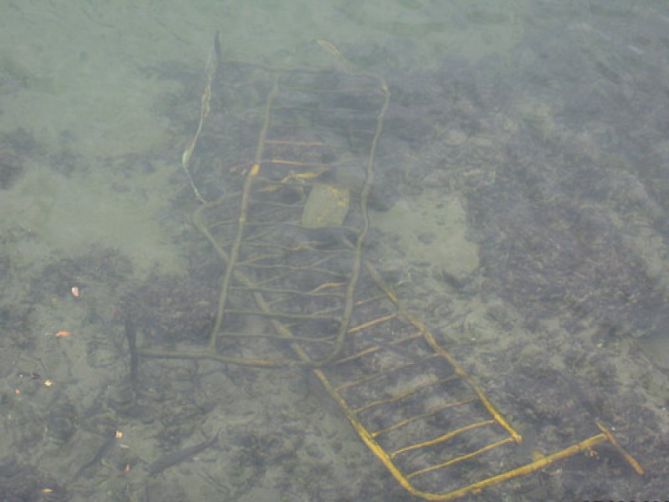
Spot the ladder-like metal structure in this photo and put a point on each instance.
(296, 290)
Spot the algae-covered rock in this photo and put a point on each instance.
(327, 206)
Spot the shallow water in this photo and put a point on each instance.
(519, 207)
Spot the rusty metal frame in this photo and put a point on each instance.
(372, 325)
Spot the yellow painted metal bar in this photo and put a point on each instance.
(406, 421)
(377, 348)
(628, 458)
(404, 395)
(461, 458)
(364, 434)
(371, 323)
(374, 376)
(296, 163)
(457, 368)
(404, 481)
(541, 463)
(358, 355)
(328, 285)
(443, 438)
(371, 299)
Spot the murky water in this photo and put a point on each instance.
(519, 208)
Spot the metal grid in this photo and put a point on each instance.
(300, 275)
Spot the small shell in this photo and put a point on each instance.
(76, 292)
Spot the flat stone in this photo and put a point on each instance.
(327, 206)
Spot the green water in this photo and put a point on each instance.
(524, 169)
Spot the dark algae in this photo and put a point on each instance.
(179, 456)
(100, 453)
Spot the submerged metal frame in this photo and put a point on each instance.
(363, 341)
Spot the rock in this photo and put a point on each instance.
(327, 206)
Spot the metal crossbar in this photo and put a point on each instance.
(290, 237)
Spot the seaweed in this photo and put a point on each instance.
(24, 483)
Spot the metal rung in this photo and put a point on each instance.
(443, 437)
(380, 374)
(407, 421)
(405, 395)
(371, 323)
(459, 459)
